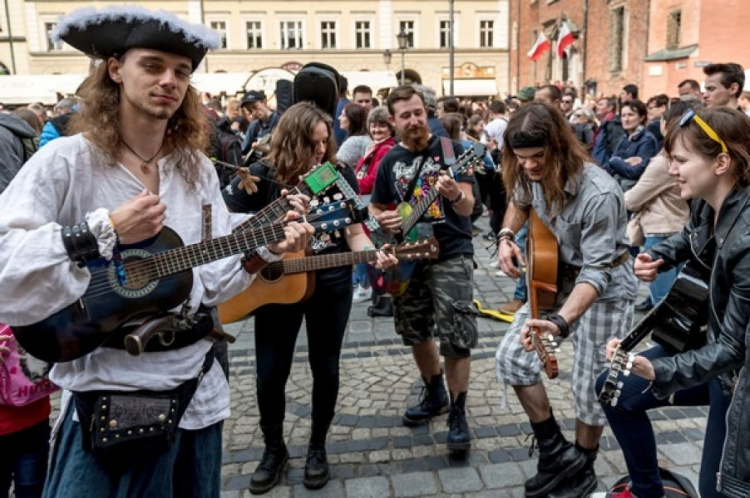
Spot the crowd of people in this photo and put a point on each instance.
(630, 191)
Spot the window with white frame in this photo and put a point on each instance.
(291, 35)
(362, 34)
(408, 28)
(445, 34)
(254, 31)
(328, 34)
(486, 33)
(221, 27)
(617, 39)
(50, 45)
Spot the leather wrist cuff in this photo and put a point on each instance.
(80, 243)
(561, 323)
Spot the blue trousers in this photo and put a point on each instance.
(521, 293)
(664, 280)
(191, 468)
(632, 428)
(23, 461)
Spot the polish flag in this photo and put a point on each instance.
(541, 46)
(564, 40)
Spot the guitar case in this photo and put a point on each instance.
(318, 83)
(675, 485)
(284, 95)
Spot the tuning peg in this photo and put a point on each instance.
(338, 197)
(626, 371)
(613, 401)
(631, 357)
(620, 385)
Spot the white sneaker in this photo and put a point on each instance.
(361, 294)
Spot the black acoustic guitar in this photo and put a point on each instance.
(678, 323)
(145, 279)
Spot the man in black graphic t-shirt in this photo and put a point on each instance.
(440, 291)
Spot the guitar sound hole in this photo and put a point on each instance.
(136, 280)
(272, 273)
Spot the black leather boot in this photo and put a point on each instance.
(268, 472)
(459, 439)
(433, 401)
(382, 305)
(581, 484)
(558, 459)
(317, 472)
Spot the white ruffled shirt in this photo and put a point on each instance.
(59, 186)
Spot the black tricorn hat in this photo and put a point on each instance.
(115, 30)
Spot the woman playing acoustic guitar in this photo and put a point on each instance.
(300, 141)
(709, 157)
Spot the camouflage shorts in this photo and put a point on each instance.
(439, 293)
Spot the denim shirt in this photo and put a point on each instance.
(590, 231)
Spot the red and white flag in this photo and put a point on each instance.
(542, 45)
(564, 40)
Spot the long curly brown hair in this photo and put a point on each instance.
(564, 155)
(99, 120)
(292, 145)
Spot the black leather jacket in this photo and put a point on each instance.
(729, 316)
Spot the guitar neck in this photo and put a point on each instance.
(418, 210)
(184, 258)
(324, 261)
(272, 212)
(641, 329)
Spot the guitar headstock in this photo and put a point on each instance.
(334, 216)
(546, 349)
(420, 249)
(472, 158)
(622, 364)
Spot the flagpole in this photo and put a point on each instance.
(451, 46)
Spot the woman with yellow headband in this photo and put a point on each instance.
(709, 157)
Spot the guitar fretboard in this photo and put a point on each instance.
(323, 261)
(184, 258)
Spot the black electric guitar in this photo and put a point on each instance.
(395, 280)
(145, 279)
(679, 322)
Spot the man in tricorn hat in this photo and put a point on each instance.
(134, 166)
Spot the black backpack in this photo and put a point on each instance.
(675, 485)
(226, 147)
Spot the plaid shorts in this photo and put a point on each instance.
(590, 334)
(439, 293)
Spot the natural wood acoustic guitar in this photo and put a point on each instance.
(541, 278)
(292, 279)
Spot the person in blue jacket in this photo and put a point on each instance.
(635, 149)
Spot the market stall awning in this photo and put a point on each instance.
(476, 87)
(374, 79)
(218, 83)
(44, 88)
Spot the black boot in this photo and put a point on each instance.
(317, 472)
(558, 459)
(459, 439)
(583, 483)
(382, 305)
(268, 472)
(433, 402)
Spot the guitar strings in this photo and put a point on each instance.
(144, 268)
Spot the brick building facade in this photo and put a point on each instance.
(686, 35)
(609, 51)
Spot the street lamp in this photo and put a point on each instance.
(387, 58)
(403, 42)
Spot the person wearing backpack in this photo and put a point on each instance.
(24, 421)
(13, 131)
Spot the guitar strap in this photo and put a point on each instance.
(449, 159)
(206, 228)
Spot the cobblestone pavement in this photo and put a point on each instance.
(373, 455)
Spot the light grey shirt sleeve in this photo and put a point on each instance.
(598, 241)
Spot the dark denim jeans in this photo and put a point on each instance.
(191, 468)
(632, 428)
(23, 461)
(276, 328)
(521, 293)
